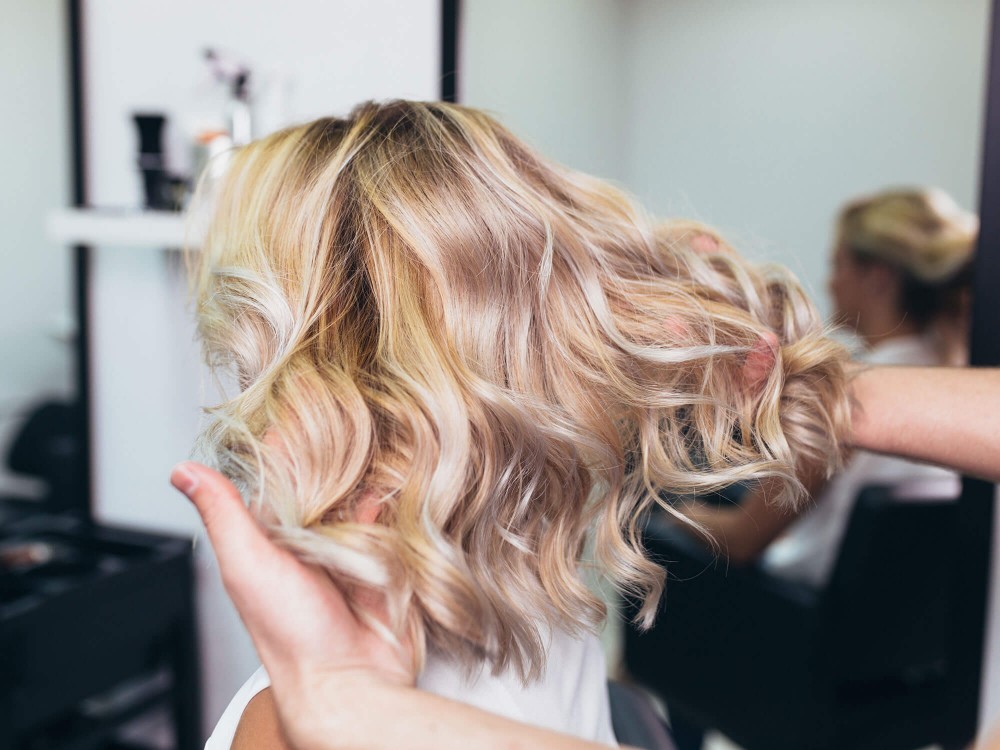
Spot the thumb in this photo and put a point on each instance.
(232, 531)
(760, 360)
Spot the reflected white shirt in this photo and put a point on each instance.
(808, 549)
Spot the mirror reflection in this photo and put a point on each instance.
(842, 140)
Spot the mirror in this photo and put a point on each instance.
(37, 316)
(759, 118)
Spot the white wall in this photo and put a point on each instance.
(147, 380)
(763, 117)
(552, 71)
(36, 296)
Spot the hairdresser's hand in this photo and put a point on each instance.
(761, 357)
(307, 637)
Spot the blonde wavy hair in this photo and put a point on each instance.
(922, 231)
(929, 240)
(494, 357)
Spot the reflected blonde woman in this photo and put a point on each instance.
(459, 363)
(901, 280)
(910, 251)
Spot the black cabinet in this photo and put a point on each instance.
(96, 628)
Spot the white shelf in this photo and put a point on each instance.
(122, 227)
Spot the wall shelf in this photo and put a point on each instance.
(117, 227)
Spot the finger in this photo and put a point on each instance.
(705, 244)
(234, 534)
(259, 575)
(760, 360)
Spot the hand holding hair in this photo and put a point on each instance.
(289, 608)
(335, 682)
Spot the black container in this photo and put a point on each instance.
(155, 183)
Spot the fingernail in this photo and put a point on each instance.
(183, 478)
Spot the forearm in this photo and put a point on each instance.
(376, 716)
(946, 416)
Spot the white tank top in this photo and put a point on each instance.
(571, 697)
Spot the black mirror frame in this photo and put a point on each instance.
(80, 254)
(973, 545)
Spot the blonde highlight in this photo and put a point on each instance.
(501, 356)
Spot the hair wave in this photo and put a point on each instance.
(498, 354)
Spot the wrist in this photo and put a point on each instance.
(864, 385)
(336, 710)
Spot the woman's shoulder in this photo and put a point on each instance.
(259, 728)
(225, 730)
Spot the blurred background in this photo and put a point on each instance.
(760, 118)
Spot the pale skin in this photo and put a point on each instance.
(939, 415)
(335, 683)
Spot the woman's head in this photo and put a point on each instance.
(902, 260)
(501, 356)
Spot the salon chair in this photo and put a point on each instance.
(634, 720)
(778, 665)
